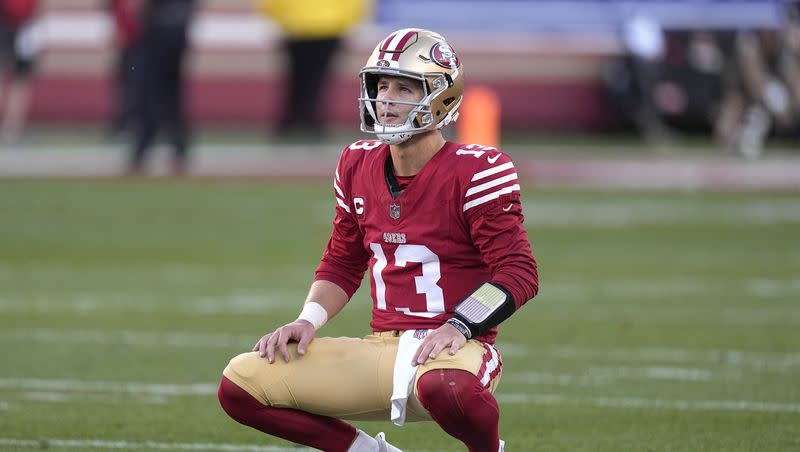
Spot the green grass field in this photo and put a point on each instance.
(665, 322)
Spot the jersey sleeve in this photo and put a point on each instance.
(493, 210)
(345, 259)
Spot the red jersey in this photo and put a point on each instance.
(456, 225)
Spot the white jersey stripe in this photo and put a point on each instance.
(491, 366)
(337, 175)
(490, 196)
(343, 205)
(338, 190)
(490, 184)
(491, 171)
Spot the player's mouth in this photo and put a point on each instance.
(390, 119)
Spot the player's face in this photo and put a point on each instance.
(398, 89)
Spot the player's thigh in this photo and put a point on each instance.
(338, 377)
(479, 359)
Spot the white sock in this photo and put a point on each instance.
(363, 443)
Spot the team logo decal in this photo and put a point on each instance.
(444, 56)
(394, 211)
(382, 63)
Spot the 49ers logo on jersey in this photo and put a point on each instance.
(443, 55)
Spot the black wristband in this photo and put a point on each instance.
(462, 327)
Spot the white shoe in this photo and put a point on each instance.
(384, 446)
(502, 446)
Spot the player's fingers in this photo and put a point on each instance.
(420, 348)
(305, 339)
(283, 340)
(437, 348)
(259, 347)
(423, 352)
(269, 347)
(454, 347)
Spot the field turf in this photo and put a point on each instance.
(665, 322)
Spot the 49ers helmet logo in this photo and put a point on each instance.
(444, 56)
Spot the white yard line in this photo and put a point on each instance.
(573, 291)
(146, 445)
(149, 390)
(772, 361)
(75, 398)
(129, 338)
(137, 388)
(599, 376)
(765, 360)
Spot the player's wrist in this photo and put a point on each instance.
(314, 314)
(462, 327)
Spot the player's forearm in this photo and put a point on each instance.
(328, 295)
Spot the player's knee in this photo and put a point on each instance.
(447, 390)
(246, 367)
(230, 397)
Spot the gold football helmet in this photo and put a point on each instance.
(421, 55)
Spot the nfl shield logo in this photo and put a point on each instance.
(394, 211)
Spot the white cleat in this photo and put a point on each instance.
(384, 446)
(502, 446)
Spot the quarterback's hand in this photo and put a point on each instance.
(437, 340)
(300, 331)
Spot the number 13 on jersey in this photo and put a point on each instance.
(426, 284)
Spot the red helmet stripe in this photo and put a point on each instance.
(386, 42)
(401, 45)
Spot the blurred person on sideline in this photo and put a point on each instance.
(644, 42)
(313, 32)
(706, 56)
(127, 16)
(440, 226)
(19, 47)
(159, 82)
(762, 87)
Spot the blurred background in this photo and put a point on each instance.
(165, 196)
(719, 74)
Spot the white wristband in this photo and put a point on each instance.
(314, 313)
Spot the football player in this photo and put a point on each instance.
(439, 226)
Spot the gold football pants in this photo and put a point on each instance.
(346, 378)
